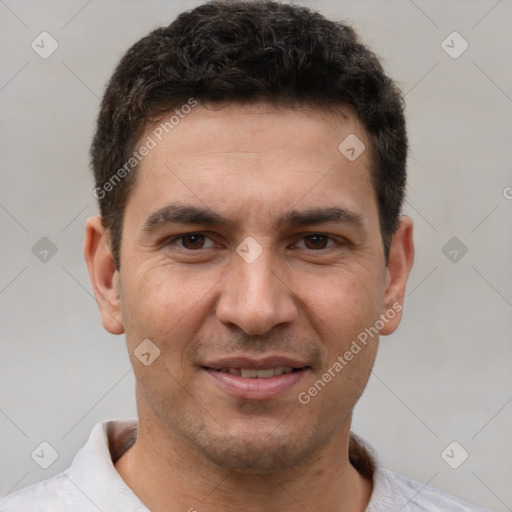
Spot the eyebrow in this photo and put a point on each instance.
(321, 216)
(182, 214)
(185, 214)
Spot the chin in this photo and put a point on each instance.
(259, 450)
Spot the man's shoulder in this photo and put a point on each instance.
(418, 497)
(90, 484)
(392, 491)
(54, 494)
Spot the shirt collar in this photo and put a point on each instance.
(94, 474)
(93, 471)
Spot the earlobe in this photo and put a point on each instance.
(103, 274)
(401, 257)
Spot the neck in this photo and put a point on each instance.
(168, 475)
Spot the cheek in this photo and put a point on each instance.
(164, 305)
(164, 308)
(344, 318)
(342, 303)
(344, 315)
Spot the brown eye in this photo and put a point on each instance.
(316, 241)
(193, 241)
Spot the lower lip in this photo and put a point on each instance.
(256, 389)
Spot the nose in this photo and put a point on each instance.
(254, 297)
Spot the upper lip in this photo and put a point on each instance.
(262, 363)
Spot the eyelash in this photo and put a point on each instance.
(332, 241)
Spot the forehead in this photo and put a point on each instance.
(254, 128)
(258, 155)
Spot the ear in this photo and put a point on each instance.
(401, 257)
(103, 274)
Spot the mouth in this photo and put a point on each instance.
(253, 373)
(253, 379)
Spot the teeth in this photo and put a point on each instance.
(253, 373)
(248, 373)
(265, 374)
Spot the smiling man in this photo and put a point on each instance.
(250, 169)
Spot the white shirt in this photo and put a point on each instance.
(92, 483)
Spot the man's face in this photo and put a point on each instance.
(251, 242)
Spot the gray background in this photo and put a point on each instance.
(446, 374)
